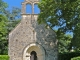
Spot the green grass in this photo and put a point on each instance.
(4, 57)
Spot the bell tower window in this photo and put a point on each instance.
(28, 8)
(36, 9)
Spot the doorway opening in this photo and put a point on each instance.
(33, 55)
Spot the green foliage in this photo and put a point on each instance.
(64, 43)
(8, 20)
(3, 35)
(3, 29)
(64, 15)
(4, 57)
(76, 38)
(76, 58)
(13, 17)
(12, 24)
(13, 14)
(68, 56)
(3, 5)
(3, 21)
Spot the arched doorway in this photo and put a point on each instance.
(33, 55)
(34, 49)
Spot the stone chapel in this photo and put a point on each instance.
(30, 40)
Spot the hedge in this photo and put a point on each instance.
(76, 58)
(4, 57)
(68, 56)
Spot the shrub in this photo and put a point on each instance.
(76, 58)
(68, 56)
(4, 57)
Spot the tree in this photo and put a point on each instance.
(8, 20)
(13, 17)
(3, 5)
(3, 29)
(64, 15)
(3, 35)
(64, 44)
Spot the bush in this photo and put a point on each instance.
(76, 58)
(68, 56)
(4, 57)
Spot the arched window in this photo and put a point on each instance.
(36, 9)
(29, 9)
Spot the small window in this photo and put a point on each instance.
(28, 9)
(36, 9)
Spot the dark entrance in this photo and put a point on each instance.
(33, 55)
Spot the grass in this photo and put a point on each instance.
(4, 57)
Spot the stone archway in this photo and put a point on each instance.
(34, 47)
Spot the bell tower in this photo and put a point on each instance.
(32, 3)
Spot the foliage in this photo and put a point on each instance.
(68, 56)
(12, 24)
(8, 20)
(64, 15)
(3, 35)
(13, 17)
(64, 43)
(3, 29)
(76, 38)
(3, 5)
(13, 14)
(4, 57)
(76, 58)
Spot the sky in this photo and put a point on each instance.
(17, 3)
(14, 3)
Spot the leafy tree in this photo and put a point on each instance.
(8, 20)
(64, 15)
(3, 5)
(3, 28)
(76, 38)
(3, 35)
(64, 43)
(13, 17)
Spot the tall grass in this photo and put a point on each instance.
(4, 57)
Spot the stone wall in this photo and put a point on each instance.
(28, 32)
